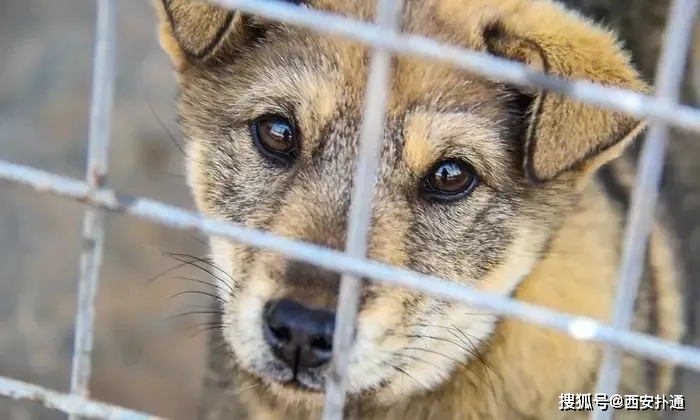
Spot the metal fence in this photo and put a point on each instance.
(662, 110)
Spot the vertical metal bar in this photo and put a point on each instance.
(93, 222)
(670, 70)
(373, 120)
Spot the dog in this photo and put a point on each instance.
(507, 189)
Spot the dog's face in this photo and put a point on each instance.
(474, 176)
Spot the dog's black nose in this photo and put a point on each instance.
(301, 337)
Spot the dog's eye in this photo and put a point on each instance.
(449, 180)
(276, 138)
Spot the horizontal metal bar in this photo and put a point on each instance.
(67, 403)
(631, 103)
(580, 328)
(97, 166)
(640, 218)
(372, 131)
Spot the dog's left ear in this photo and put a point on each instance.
(564, 135)
(197, 31)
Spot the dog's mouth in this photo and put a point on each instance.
(304, 385)
(312, 381)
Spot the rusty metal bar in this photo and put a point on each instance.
(97, 167)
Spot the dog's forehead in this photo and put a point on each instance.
(321, 73)
(295, 52)
(325, 80)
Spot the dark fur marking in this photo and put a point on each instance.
(498, 238)
(613, 189)
(490, 33)
(317, 151)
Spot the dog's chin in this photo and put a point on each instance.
(297, 385)
(304, 382)
(298, 392)
(302, 386)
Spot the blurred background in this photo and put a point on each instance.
(142, 360)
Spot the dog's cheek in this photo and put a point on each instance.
(197, 175)
(381, 333)
(245, 329)
(423, 349)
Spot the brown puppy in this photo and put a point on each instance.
(502, 188)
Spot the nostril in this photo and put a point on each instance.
(277, 333)
(323, 343)
(281, 333)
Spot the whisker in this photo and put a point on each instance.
(471, 348)
(478, 355)
(198, 281)
(201, 260)
(164, 127)
(403, 372)
(437, 353)
(192, 263)
(180, 315)
(164, 272)
(204, 324)
(184, 263)
(193, 306)
(419, 336)
(248, 388)
(196, 292)
(412, 357)
(208, 327)
(463, 364)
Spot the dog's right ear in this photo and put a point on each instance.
(196, 31)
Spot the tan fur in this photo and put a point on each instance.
(428, 134)
(566, 56)
(542, 223)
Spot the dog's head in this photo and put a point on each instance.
(475, 175)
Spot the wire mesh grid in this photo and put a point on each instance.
(662, 110)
